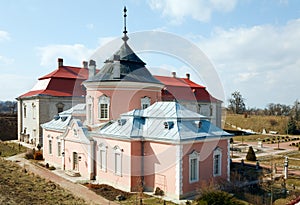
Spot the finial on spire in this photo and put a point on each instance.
(125, 37)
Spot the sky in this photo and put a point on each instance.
(254, 45)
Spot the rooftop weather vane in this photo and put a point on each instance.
(125, 37)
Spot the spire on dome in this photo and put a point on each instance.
(125, 37)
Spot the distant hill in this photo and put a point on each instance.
(256, 123)
(8, 126)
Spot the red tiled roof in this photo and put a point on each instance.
(184, 89)
(68, 72)
(64, 82)
(182, 82)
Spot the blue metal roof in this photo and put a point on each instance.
(163, 121)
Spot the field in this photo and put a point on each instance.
(19, 187)
(9, 149)
(257, 123)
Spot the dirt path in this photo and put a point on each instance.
(76, 189)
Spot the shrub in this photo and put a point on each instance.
(29, 155)
(38, 156)
(251, 154)
(217, 197)
(159, 192)
(52, 168)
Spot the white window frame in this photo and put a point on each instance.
(103, 100)
(59, 148)
(89, 109)
(145, 102)
(118, 161)
(194, 164)
(103, 157)
(24, 111)
(33, 111)
(50, 147)
(217, 163)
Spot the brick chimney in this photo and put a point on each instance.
(92, 69)
(85, 64)
(174, 74)
(188, 76)
(60, 62)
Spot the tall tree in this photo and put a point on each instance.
(236, 103)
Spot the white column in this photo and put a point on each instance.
(178, 180)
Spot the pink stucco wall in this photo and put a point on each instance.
(108, 176)
(160, 163)
(123, 100)
(83, 152)
(205, 149)
(52, 159)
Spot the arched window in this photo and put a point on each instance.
(103, 157)
(145, 102)
(60, 107)
(89, 110)
(118, 160)
(194, 167)
(217, 162)
(104, 103)
(24, 111)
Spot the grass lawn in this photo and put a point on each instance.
(19, 187)
(8, 149)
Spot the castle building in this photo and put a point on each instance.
(52, 94)
(136, 130)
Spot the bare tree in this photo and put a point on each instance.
(236, 103)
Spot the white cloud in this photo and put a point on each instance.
(72, 53)
(200, 10)
(261, 61)
(4, 36)
(5, 60)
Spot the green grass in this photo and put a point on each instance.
(19, 187)
(8, 149)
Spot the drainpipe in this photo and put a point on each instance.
(142, 163)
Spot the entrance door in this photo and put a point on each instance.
(75, 161)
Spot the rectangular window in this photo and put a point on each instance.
(104, 111)
(33, 112)
(24, 112)
(217, 165)
(103, 160)
(60, 109)
(145, 106)
(193, 169)
(50, 146)
(118, 163)
(59, 149)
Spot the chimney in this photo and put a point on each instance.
(174, 74)
(92, 69)
(85, 64)
(60, 62)
(188, 76)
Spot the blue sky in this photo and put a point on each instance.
(254, 45)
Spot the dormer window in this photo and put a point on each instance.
(145, 102)
(64, 118)
(198, 124)
(104, 103)
(56, 117)
(169, 125)
(60, 107)
(121, 122)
